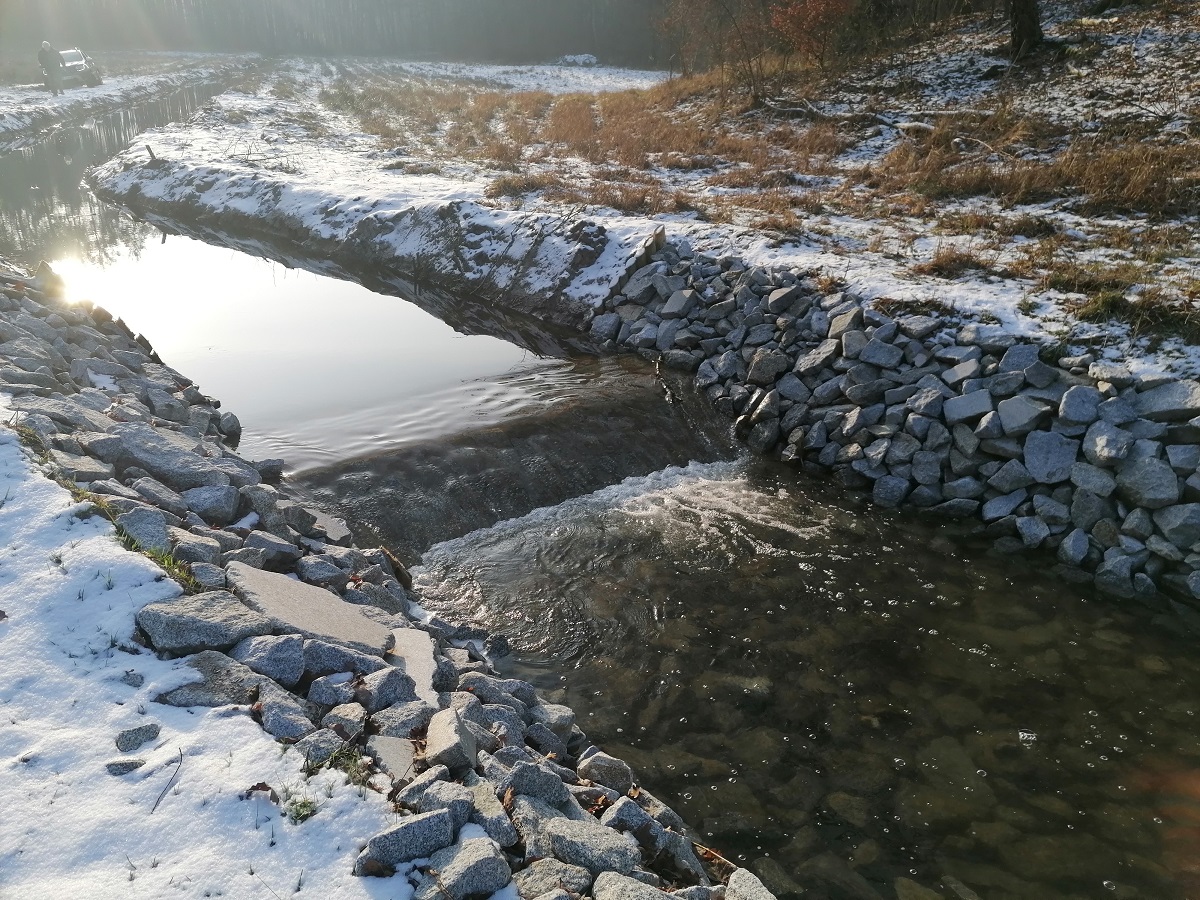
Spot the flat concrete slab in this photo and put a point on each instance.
(298, 608)
(395, 756)
(413, 653)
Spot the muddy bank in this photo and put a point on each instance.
(614, 426)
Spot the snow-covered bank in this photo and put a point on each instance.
(559, 266)
(28, 109)
(72, 679)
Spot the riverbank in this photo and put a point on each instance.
(28, 110)
(276, 628)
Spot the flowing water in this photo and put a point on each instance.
(836, 697)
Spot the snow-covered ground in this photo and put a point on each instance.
(339, 148)
(71, 679)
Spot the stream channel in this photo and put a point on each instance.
(835, 697)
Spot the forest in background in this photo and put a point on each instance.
(618, 31)
(680, 35)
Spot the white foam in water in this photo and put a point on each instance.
(621, 494)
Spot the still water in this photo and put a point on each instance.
(839, 698)
(318, 369)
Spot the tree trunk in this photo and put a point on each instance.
(1026, 26)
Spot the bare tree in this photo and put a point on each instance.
(1025, 23)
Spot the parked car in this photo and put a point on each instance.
(78, 68)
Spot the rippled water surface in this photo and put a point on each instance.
(841, 698)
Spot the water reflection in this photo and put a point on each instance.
(46, 213)
(843, 699)
(318, 369)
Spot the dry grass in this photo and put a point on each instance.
(1114, 174)
(521, 185)
(952, 262)
(1151, 314)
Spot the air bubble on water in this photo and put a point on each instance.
(1157, 820)
(684, 719)
(981, 772)
(687, 796)
(1110, 885)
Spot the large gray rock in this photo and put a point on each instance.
(818, 358)
(1175, 401)
(74, 415)
(283, 716)
(607, 770)
(323, 658)
(162, 456)
(489, 813)
(210, 621)
(385, 688)
(215, 504)
(626, 815)
(1074, 547)
(1080, 405)
(455, 798)
(1049, 456)
(320, 571)
(449, 742)
(1149, 483)
(678, 305)
(279, 658)
(402, 719)
(532, 818)
(1106, 445)
(744, 885)
(81, 468)
(967, 408)
(413, 837)
(1020, 415)
(767, 365)
(222, 682)
(317, 748)
(535, 781)
(1180, 524)
(613, 886)
(592, 846)
(351, 718)
(276, 551)
(192, 548)
(552, 874)
(161, 496)
(558, 718)
(147, 527)
(472, 870)
(1092, 478)
(293, 606)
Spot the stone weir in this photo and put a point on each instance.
(325, 643)
(1063, 453)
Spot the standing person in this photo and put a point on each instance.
(52, 65)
